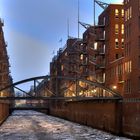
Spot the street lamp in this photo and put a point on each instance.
(114, 87)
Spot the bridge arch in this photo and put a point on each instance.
(96, 84)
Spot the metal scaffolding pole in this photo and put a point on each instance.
(78, 19)
(94, 13)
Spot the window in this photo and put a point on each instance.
(116, 43)
(95, 45)
(86, 60)
(66, 54)
(126, 15)
(104, 48)
(103, 77)
(62, 67)
(130, 12)
(116, 28)
(81, 56)
(116, 13)
(120, 69)
(122, 43)
(104, 35)
(122, 30)
(117, 56)
(104, 21)
(122, 12)
(128, 66)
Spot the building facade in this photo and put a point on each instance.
(132, 48)
(111, 49)
(5, 78)
(98, 56)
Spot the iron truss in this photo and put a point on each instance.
(114, 94)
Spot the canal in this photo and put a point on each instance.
(32, 125)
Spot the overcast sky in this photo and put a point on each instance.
(33, 29)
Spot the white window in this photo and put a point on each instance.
(62, 67)
(116, 13)
(122, 43)
(104, 35)
(122, 30)
(116, 43)
(130, 12)
(104, 49)
(95, 45)
(128, 66)
(116, 28)
(66, 54)
(122, 12)
(81, 56)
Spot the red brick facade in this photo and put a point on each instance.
(5, 78)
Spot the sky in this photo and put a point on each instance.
(33, 29)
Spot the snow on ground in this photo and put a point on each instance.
(31, 125)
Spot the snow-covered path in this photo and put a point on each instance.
(31, 125)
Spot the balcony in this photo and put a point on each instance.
(101, 51)
(73, 53)
(120, 79)
(84, 64)
(100, 66)
(92, 59)
(100, 39)
(99, 26)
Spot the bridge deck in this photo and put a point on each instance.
(59, 98)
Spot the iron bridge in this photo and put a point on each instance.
(109, 93)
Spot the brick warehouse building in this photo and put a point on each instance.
(5, 78)
(111, 61)
(132, 48)
(96, 55)
(131, 106)
(108, 48)
(111, 49)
